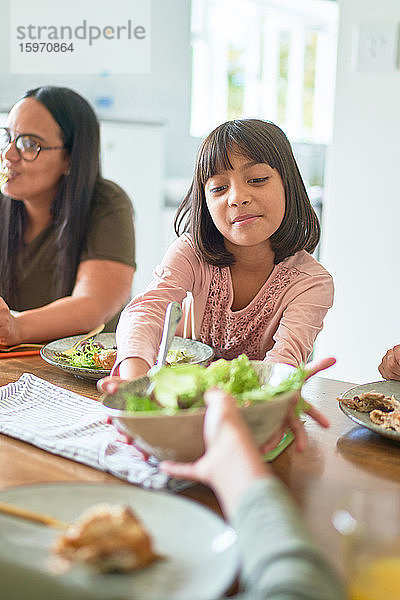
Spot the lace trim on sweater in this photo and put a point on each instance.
(233, 333)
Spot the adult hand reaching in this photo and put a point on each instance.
(390, 365)
(232, 460)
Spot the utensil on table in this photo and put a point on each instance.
(21, 346)
(30, 515)
(92, 333)
(17, 353)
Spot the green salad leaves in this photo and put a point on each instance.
(183, 386)
(83, 356)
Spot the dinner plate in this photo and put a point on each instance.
(200, 549)
(389, 388)
(49, 353)
(200, 353)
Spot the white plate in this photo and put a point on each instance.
(200, 549)
(201, 353)
(389, 388)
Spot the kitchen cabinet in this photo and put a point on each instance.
(133, 156)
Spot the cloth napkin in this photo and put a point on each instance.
(73, 426)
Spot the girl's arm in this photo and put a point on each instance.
(302, 319)
(140, 326)
(101, 289)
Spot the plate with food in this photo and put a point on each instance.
(120, 542)
(94, 358)
(374, 405)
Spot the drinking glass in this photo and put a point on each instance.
(369, 524)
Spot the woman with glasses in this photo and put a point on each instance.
(66, 234)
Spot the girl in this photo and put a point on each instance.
(241, 265)
(66, 234)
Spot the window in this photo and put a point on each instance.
(268, 59)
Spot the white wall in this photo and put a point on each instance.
(361, 244)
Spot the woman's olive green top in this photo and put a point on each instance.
(110, 236)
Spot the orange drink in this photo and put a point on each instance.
(377, 580)
(369, 524)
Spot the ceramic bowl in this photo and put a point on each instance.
(180, 436)
(200, 353)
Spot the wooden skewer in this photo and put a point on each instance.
(30, 515)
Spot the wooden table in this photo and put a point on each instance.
(337, 461)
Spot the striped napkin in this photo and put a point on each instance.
(70, 425)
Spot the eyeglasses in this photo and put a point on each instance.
(27, 147)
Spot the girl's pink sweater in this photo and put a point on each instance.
(280, 323)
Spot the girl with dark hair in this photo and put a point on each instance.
(241, 266)
(66, 234)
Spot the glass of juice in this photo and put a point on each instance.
(369, 524)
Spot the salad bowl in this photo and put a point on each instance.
(179, 436)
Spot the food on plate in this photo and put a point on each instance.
(389, 420)
(93, 355)
(183, 386)
(370, 401)
(108, 537)
(84, 355)
(175, 357)
(383, 410)
(105, 359)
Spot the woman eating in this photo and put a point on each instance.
(67, 246)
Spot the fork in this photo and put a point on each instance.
(92, 333)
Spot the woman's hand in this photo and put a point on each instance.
(390, 365)
(8, 326)
(231, 461)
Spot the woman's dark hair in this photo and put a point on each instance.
(71, 206)
(263, 142)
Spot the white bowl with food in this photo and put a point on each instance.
(168, 431)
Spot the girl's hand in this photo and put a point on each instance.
(109, 385)
(292, 420)
(129, 369)
(8, 326)
(390, 365)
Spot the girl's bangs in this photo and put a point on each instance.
(214, 154)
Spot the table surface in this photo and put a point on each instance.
(337, 461)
